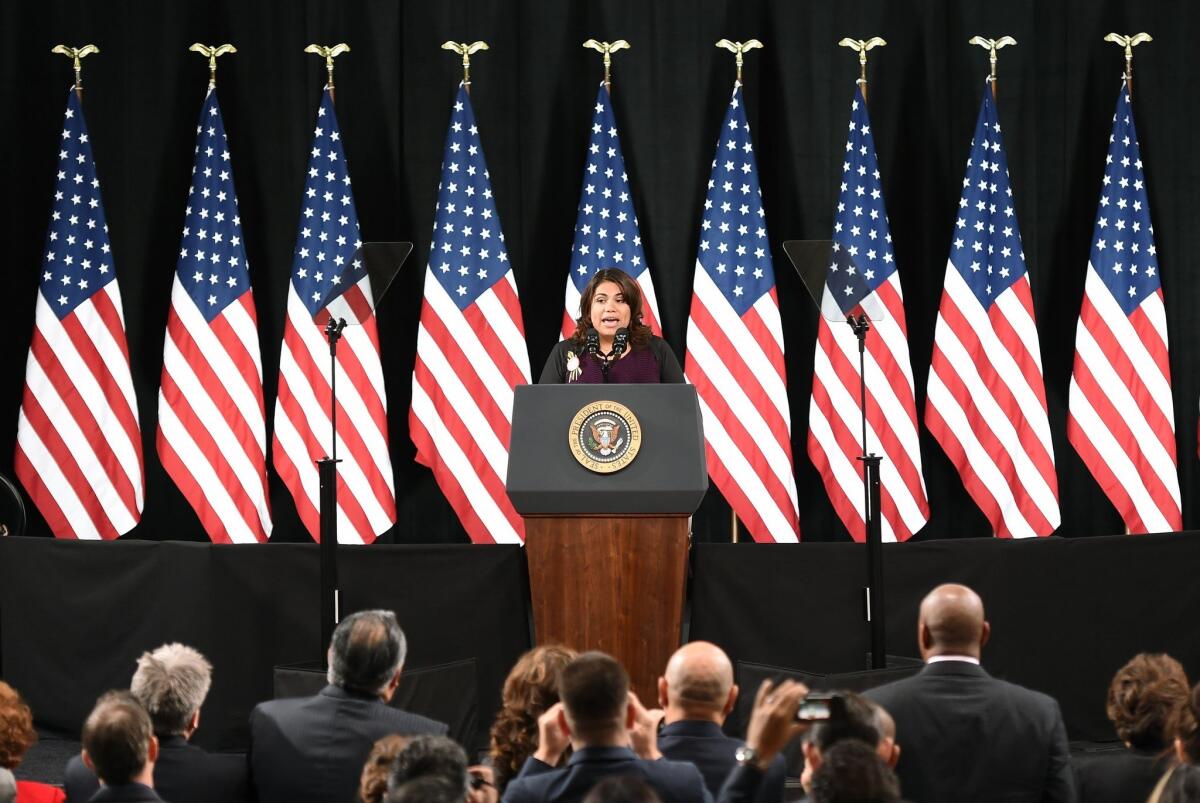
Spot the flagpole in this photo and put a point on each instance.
(607, 48)
(738, 49)
(1129, 43)
(327, 466)
(992, 45)
(76, 54)
(466, 50)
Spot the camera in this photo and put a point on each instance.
(821, 707)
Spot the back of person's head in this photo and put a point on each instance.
(366, 651)
(171, 684)
(426, 789)
(1184, 727)
(594, 689)
(530, 689)
(117, 737)
(1142, 697)
(698, 683)
(852, 772)
(430, 756)
(622, 789)
(16, 727)
(1182, 785)
(858, 720)
(951, 622)
(373, 783)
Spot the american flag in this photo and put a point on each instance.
(862, 276)
(606, 229)
(1120, 414)
(211, 419)
(79, 447)
(735, 344)
(470, 343)
(325, 272)
(986, 401)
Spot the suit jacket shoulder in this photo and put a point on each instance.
(674, 781)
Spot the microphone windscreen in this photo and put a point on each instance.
(592, 344)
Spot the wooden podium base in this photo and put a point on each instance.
(614, 584)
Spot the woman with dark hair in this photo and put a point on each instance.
(1142, 700)
(530, 689)
(610, 343)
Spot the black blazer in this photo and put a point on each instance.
(183, 773)
(126, 793)
(675, 781)
(706, 745)
(965, 735)
(1119, 776)
(312, 749)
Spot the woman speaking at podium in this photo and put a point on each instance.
(611, 344)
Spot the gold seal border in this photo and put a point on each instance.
(583, 458)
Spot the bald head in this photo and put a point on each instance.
(698, 683)
(951, 622)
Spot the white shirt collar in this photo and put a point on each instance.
(970, 659)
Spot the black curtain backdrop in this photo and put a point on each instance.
(533, 93)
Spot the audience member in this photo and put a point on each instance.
(171, 683)
(16, 737)
(1184, 728)
(531, 688)
(119, 746)
(697, 692)
(430, 755)
(596, 717)
(1181, 785)
(373, 783)
(851, 771)
(312, 749)
(967, 735)
(1142, 697)
(622, 789)
(426, 789)
(855, 717)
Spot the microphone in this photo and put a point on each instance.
(620, 342)
(592, 343)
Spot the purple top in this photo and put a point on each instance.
(639, 366)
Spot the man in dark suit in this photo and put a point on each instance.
(601, 720)
(967, 735)
(312, 749)
(119, 746)
(697, 693)
(171, 683)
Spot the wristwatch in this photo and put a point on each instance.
(746, 756)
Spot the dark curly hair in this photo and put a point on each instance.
(1185, 725)
(16, 727)
(1142, 697)
(639, 333)
(531, 688)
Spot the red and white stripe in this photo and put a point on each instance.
(468, 362)
(366, 499)
(649, 305)
(835, 418)
(211, 418)
(736, 363)
(79, 446)
(1120, 414)
(986, 406)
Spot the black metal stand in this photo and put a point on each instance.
(874, 591)
(327, 471)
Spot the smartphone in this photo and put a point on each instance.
(818, 707)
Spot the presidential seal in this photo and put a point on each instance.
(605, 436)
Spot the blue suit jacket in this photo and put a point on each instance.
(675, 781)
(706, 745)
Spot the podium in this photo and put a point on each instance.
(607, 552)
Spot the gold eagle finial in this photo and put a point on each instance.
(211, 52)
(1129, 43)
(738, 49)
(992, 45)
(861, 46)
(76, 54)
(329, 54)
(607, 48)
(466, 50)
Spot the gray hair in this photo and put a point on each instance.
(366, 651)
(171, 683)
